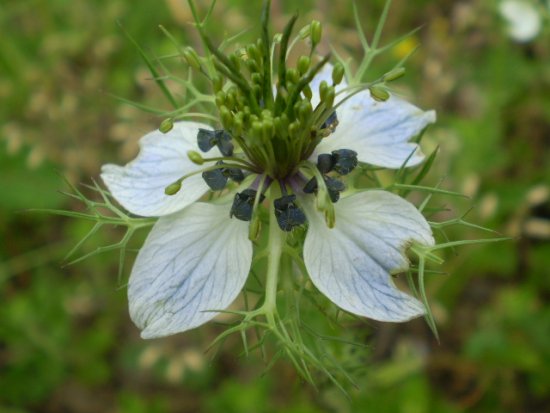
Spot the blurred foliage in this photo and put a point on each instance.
(66, 342)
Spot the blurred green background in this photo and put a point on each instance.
(66, 341)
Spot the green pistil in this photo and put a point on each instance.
(267, 88)
(279, 102)
(303, 82)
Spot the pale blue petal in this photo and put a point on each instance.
(193, 263)
(139, 186)
(352, 263)
(378, 131)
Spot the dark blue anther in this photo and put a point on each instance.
(325, 163)
(235, 174)
(345, 161)
(334, 187)
(207, 139)
(331, 122)
(223, 141)
(311, 186)
(243, 204)
(288, 214)
(216, 179)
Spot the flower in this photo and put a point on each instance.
(196, 258)
(286, 145)
(523, 18)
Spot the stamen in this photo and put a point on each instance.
(288, 214)
(311, 186)
(175, 186)
(333, 185)
(243, 204)
(206, 140)
(318, 184)
(216, 179)
(325, 163)
(234, 174)
(331, 123)
(345, 161)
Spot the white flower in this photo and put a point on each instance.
(196, 259)
(523, 18)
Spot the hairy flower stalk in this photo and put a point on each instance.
(288, 165)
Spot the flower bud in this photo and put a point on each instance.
(394, 74)
(256, 78)
(173, 189)
(257, 91)
(293, 75)
(217, 82)
(238, 123)
(235, 60)
(307, 92)
(268, 128)
(294, 128)
(267, 114)
(230, 100)
(253, 52)
(226, 118)
(303, 64)
(337, 73)
(220, 98)
(329, 97)
(304, 110)
(281, 125)
(252, 66)
(316, 32)
(323, 87)
(195, 157)
(379, 94)
(166, 125)
(257, 129)
(192, 58)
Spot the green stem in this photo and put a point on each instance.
(275, 248)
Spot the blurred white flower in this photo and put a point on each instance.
(523, 19)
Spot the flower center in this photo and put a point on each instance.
(272, 122)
